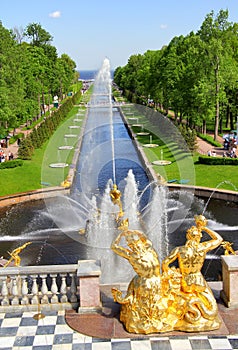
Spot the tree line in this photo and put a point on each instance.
(31, 73)
(196, 76)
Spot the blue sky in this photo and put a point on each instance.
(90, 30)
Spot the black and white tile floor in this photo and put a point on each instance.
(22, 331)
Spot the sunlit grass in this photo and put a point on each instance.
(222, 176)
(37, 173)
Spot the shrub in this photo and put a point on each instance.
(217, 160)
(26, 149)
(190, 137)
(11, 164)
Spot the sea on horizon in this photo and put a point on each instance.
(89, 74)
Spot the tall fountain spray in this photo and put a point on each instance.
(102, 226)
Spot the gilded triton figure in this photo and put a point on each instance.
(177, 299)
(200, 305)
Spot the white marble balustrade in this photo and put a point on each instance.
(28, 288)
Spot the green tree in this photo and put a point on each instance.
(38, 36)
(11, 81)
(213, 32)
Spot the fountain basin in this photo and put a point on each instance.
(58, 165)
(150, 145)
(66, 147)
(70, 135)
(161, 162)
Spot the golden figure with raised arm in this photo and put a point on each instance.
(116, 199)
(201, 305)
(15, 255)
(177, 299)
(142, 308)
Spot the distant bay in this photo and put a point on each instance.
(89, 74)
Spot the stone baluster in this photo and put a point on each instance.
(54, 289)
(15, 292)
(63, 289)
(9, 282)
(24, 291)
(73, 289)
(44, 290)
(35, 292)
(4, 292)
(21, 287)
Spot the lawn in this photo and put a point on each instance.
(37, 173)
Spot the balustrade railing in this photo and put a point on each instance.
(50, 287)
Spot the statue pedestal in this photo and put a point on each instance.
(89, 290)
(230, 277)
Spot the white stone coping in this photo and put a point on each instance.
(38, 269)
(231, 262)
(89, 268)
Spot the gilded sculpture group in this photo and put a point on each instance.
(176, 298)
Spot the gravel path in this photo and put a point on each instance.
(204, 147)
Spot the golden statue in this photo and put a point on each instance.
(116, 199)
(15, 255)
(177, 299)
(200, 307)
(66, 183)
(142, 307)
(228, 248)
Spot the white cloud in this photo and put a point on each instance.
(163, 26)
(55, 14)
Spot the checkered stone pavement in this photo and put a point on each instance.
(22, 331)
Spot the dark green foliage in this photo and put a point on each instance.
(26, 149)
(31, 75)
(35, 139)
(190, 137)
(11, 164)
(217, 160)
(195, 76)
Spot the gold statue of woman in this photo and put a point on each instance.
(199, 303)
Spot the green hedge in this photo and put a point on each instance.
(209, 139)
(11, 164)
(217, 160)
(46, 128)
